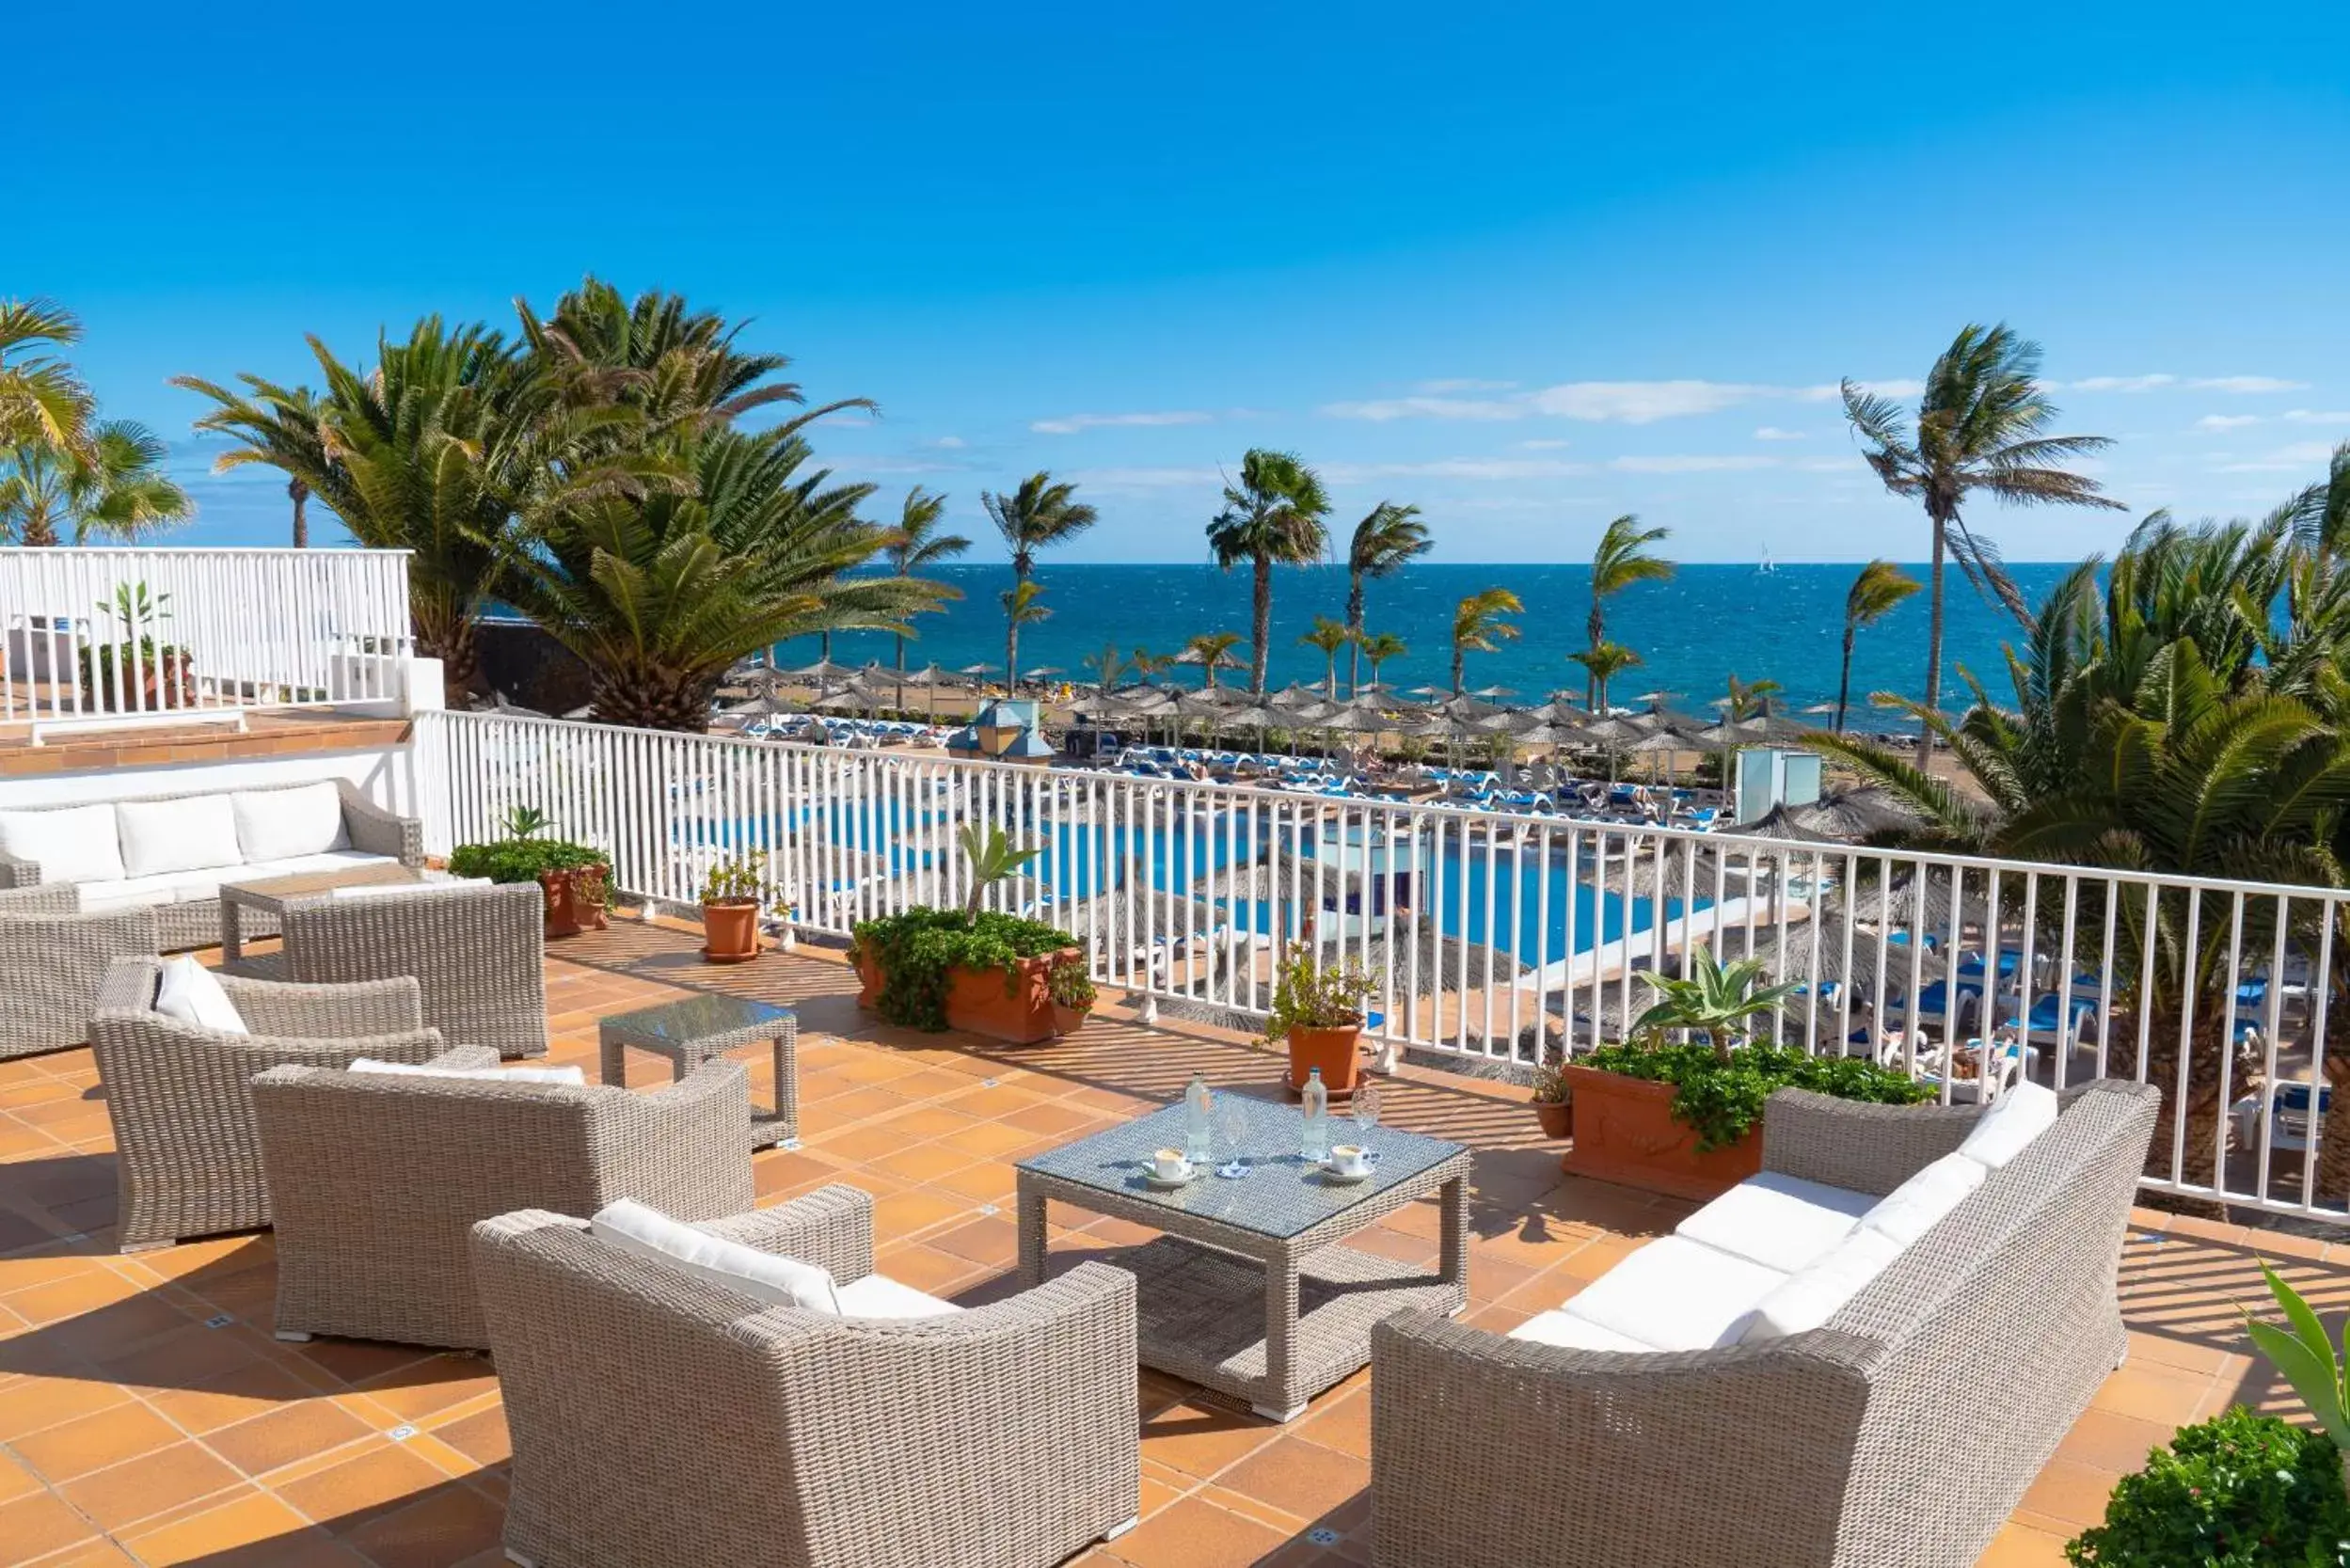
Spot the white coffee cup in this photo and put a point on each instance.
(1348, 1159)
(1170, 1164)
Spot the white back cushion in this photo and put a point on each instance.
(278, 824)
(194, 834)
(877, 1295)
(1781, 1222)
(569, 1075)
(76, 844)
(2021, 1113)
(1676, 1294)
(1570, 1331)
(634, 1226)
(1812, 1294)
(192, 994)
(1916, 1206)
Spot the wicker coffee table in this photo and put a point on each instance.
(270, 894)
(1248, 1290)
(690, 1032)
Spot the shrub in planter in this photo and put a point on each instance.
(730, 908)
(1554, 1099)
(1072, 990)
(575, 877)
(1317, 1010)
(941, 969)
(1720, 1096)
(2241, 1491)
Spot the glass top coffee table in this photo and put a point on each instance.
(269, 895)
(692, 1031)
(1248, 1291)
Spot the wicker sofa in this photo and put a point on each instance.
(659, 1418)
(171, 852)
(375, 1180)
(52, 961)
(1901, 1431)
(477, 951)
(187, 1158)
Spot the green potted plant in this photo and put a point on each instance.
(1554, 1099)
(2305, 1356)
(972, 969)
(1318, 1011)
(1072, 990)
(2240, 1491)
(730, 908)
(164, 672)
(1685, 1117)
(574, 880)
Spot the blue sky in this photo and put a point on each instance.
(1528, 267)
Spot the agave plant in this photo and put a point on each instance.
(992, 857)
(1713, 999)
(2307, 1359)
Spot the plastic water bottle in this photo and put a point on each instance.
(1316, 1144)
(1198, 1121)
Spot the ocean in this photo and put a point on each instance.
(1693, 633)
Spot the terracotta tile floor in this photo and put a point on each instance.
(147, 1416)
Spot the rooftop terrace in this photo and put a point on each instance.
(147, 1415)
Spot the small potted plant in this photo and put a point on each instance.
(730, 909)
(1072, 990)
(574, 880)
(1317, 1010)
(1554, 1099)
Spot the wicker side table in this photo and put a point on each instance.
(692, 1031)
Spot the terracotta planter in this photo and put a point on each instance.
(1068, 1020)
(730, 932)
(1017, 1011)
(575, 900)
(1625, 1132)
(1557, 1118)
(1335, 1052)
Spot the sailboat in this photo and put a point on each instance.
(1765, 569)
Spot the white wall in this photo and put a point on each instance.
(385, 774)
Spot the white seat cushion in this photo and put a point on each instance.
(79, 844)
(193, 834)
(1676, 1294)
(571, 1077)
(1573, 1333)
(274, 824)
(2022, 1113)
(1781, 1222)
(1918, 1205)
(125, 893)
(295, 865)
(638, 1228)
(879, 1296)
(191, 993)
(1815, 1293)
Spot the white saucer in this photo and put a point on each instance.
(1347, 1178)
(1165, 1185)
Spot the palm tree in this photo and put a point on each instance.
(1602, 664)
(1748, 699)
(1272, 517)
(1040, 513)
(299, 494)
(41, 401)
(1211, 650)
(1385, 542)
(113, 487)
(1478, 626)
(1107, 667)
(1330, 637)
(915, 548)
(1149, 666)
(658, 594)
(1620, 560)
(1378, 648)
(1879, 587)
(1980, 427)
(2320, 515)
(1019, 609)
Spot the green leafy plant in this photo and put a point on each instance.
(1714, 999)
(2307, 1358)
(1309, 993)
(737, 882)
(1070, 985)
(109, 668)
(1721, 1096)
(1551, 1086)
(525, 822)
(918, 950)
(522, 856)
(992, 857)
(2241, 1491)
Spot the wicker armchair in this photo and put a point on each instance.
(1902, 1430)
(52, 958)
(377, 1178)
(476, 951)
(187, 1158)
(657, 1418)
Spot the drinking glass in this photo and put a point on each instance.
(1366, 1108)
(1232, 1134)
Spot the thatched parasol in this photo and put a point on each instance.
(1428, 962)
(1267, 878)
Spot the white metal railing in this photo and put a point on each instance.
(97, 634)
(1504, 936)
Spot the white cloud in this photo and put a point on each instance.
(2226, 421)
(1548, 444)
(2124, 382)
(1147, 479)
(951, 443)
(1464, 384)
(2199, 383)
(1071, 424)
(2246, 384)
(1455, 467)
(1383, 409)
(2311, 416)
(1643, 401)
(1690, 464)
(1772, 433)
